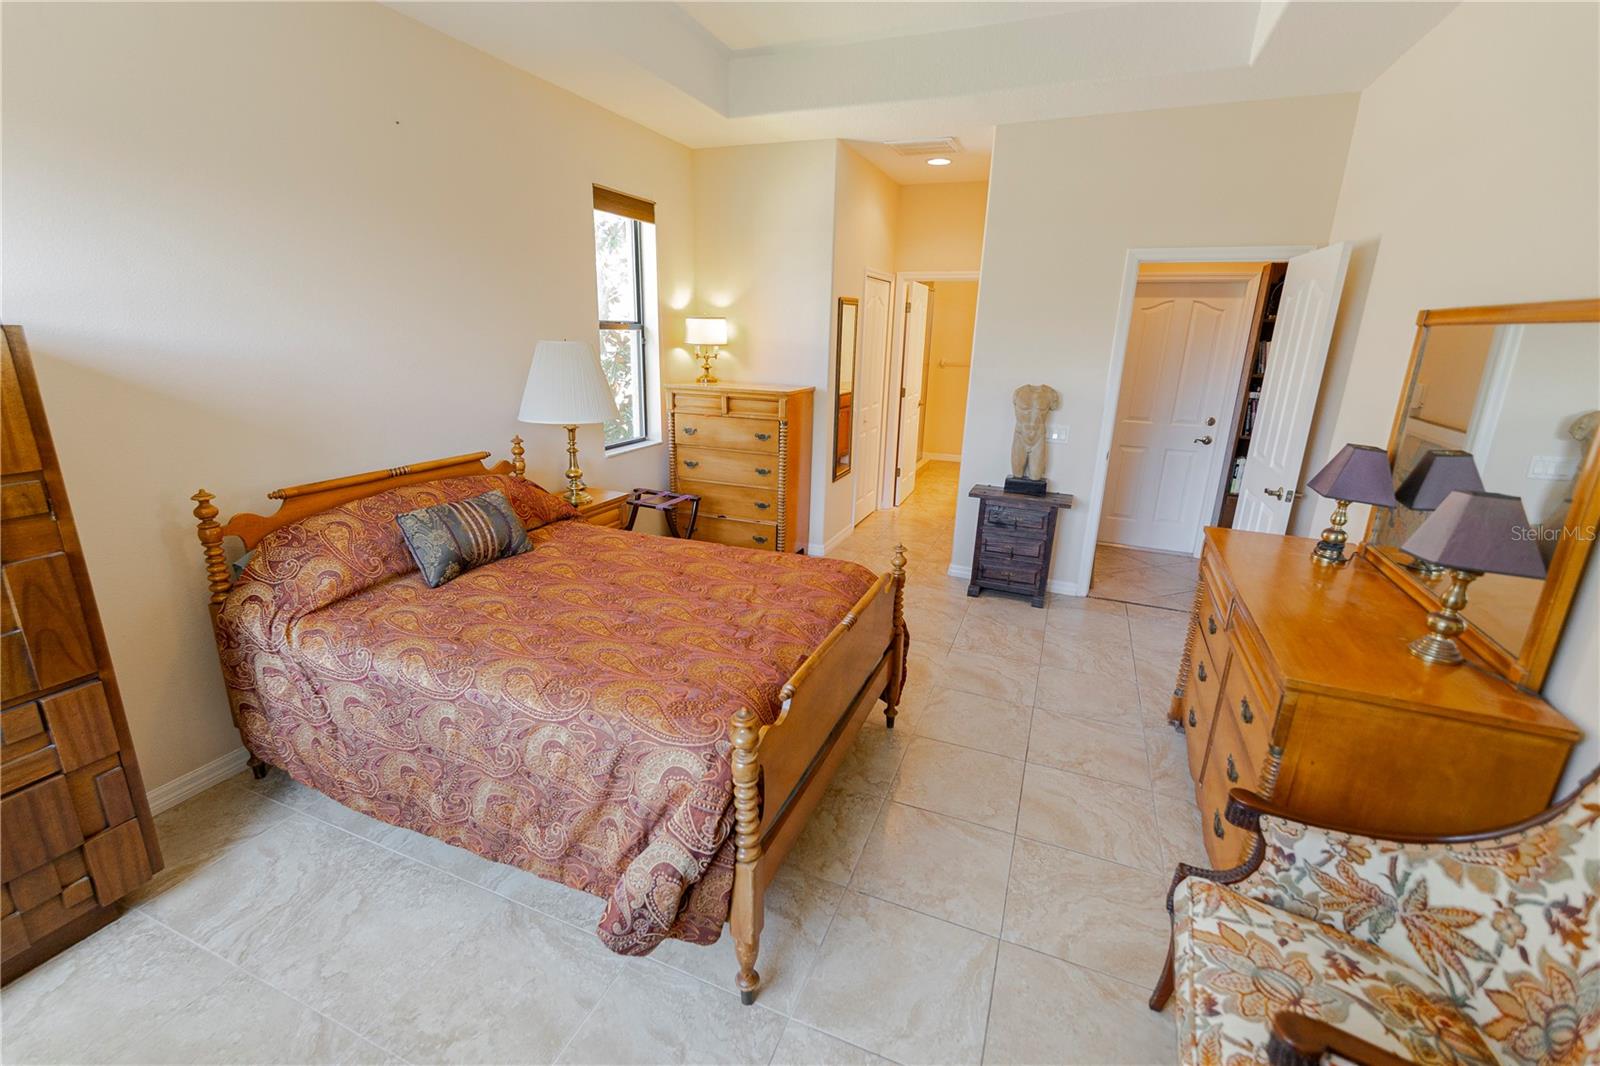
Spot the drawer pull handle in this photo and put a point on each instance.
(1211, 625)
(691, 463)
(763, 436)
(1193, 722)
(1200, 671)
(1216, 824)
(689, 431)
(762, 471)
(1245, 713)
(762, 505)
(1233, 771)
(759, 539)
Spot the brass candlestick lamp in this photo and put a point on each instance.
(1358, 474)
(708, 335)
(567, 387)
(1470, 534)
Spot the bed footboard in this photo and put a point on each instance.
(781, 771)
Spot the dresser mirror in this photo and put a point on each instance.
(1518, 389)
(844, 365)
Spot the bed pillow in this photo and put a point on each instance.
(448, 539)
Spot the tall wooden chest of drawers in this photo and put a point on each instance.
(75, 828)
(1296, 684)
(745, 450)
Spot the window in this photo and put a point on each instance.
(620, 263)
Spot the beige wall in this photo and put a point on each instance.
(763, 252)
(1467, 189)
(865, 216)
(941, 226)
(1068, 199)
(260, 244)
(955, 306)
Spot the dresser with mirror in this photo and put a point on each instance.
(1297, 680)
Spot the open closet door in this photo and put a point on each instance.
(1306, 313)
(873, 361)
(916, 354)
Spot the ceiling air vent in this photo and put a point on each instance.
(937, 146)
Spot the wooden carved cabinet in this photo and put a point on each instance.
(75, 828)
(1296, 683)
(745, 450)
(1016, 533)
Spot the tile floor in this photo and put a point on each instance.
(983, 883)
(1148, 578)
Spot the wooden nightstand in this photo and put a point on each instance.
(605, 509)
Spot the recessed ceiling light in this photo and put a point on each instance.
(938, 161)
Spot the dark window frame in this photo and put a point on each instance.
(636, 326)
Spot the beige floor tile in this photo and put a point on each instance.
(570, 905)
(1099, 914)
(1078, 626)
(901, 984)
(1058, 604)
(1018, 611)
(1111, 752)
(1001, 639)
(875, 757)
(281, 788)
(935, 623)
(1182, 839)
(799, 908)
(1049, 1011)
(938, 865)
(138, 992)
(804, 1046)
(1157, 672)
(986, 675)
(1091, 816)
(1155, 704)
(541, 977)
(1107, 658)
(975, 722)
(1168, 757)
(198, 830)
(1106, 699)
(837, 830)
(653, 1014)
(977, 786)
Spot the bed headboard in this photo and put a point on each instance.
(299, 501)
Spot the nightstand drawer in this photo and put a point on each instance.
(1001, 518)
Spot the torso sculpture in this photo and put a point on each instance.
(1033, 404)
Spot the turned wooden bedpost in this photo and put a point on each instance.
(519, 464)
(897, 674)
(218, 580)
(745, 915)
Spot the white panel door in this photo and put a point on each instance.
(916, 354)
(1180, 380)
(1300, 338)
(872, 364)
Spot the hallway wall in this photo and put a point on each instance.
(955, 307)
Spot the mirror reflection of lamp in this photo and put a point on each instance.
(1441, 472)
(1470, 534)
(1360, 473)
(708, 335)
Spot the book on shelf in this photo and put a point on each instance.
(1236, 481)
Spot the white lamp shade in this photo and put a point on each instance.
(713, 331)
(566, 386)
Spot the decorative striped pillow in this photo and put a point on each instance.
(449, 539)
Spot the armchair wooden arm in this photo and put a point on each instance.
(1297, 1040)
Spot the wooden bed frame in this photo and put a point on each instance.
(780, 771)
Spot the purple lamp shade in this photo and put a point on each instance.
(1479, 532)
(1438, 475)
(1360, 473)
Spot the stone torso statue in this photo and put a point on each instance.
(1033, 404)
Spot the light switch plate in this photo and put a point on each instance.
(1056, 433)
(1552, 468)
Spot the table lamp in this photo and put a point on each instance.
(706, 333)
(1360, 473)
(567, 387)
(1470, 534)
(1441, 472)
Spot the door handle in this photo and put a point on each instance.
(1281, 493)
(1203, 440)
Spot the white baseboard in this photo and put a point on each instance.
(197, 780)
(819, 548)
(941, 457)
(1060, 588)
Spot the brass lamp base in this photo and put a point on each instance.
(1330, 549)
(575, 493)
(706, 376)
(1439, 645)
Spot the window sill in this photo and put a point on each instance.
(636, 446)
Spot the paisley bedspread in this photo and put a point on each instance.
(564, 711)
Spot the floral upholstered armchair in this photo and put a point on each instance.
(1478, 949)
